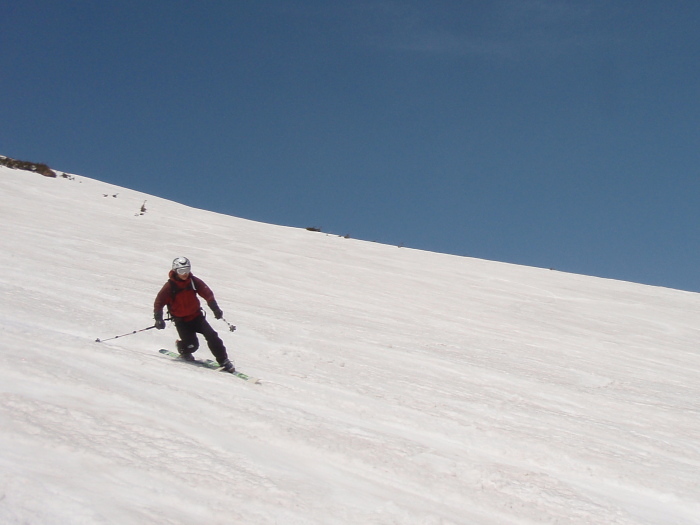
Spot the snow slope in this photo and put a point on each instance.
(399, 386)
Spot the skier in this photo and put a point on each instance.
(179, 294)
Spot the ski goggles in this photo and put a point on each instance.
(183, 271)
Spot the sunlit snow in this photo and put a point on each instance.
(397, 386)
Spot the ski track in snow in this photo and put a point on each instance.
(398, 386)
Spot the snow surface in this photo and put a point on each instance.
(398, 386)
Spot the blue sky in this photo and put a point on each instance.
(557, 134)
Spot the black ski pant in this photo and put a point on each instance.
(188, 330)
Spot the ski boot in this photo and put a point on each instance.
(184, 353)
(227, 365)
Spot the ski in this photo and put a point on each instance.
(208, 363)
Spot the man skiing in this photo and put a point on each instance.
(179, 294)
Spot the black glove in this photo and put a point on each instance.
(215, 309)
(160, 324)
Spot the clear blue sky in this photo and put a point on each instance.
(558, 134)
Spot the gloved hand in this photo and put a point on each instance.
(215, 309)
(160, 324)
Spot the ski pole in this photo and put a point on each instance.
(230, 326)
(98, 340)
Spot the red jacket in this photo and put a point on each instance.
(181, 297)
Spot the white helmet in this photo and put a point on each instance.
(182, 265)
